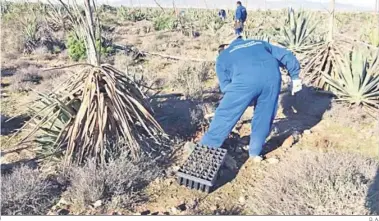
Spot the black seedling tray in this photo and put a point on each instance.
(200, 171)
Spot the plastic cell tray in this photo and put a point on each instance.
(201, 169)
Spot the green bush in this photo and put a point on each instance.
(128, 14)
(165, 22)
(77, 50)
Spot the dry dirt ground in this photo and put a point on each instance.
(309, 121)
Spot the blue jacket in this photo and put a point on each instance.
(237, 62)
(241, 13)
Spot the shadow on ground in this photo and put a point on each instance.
(372, 200)
(302, 112)
(180, 118)
(9, 126)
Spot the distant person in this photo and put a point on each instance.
(222, 14)
(240, 18)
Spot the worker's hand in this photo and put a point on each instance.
(296, 86)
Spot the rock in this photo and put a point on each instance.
(97, 204)
(166, 213)
(230, 163)
(62, 201)
(257, 159)
(182, 207)
(288, 142)
(174, 211)
(214, 207)
(307, 132)
(63, 212)
(169, 182)
(146, 212)
(155, 214)
(272, 160)
(242, 199)
(188, 148)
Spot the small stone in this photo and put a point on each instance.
(257, 159)
(62, 201)
(166, 213)
(214, 207)
(137, 214)
(288, 142)
(97, 204)
(155, 214)
(242, 199)
(272, 161)
(63, 212)
(146, 212)
(182, 207)
(169, 182)
(188, 148)
(175, 168)
(174, 210)
(307, 132)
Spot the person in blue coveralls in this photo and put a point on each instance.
(240, 18)
(248, 72)
(222, 14)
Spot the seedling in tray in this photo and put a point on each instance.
(200, 171)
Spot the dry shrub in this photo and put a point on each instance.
(353, 117)
(11, 37)
(190, 78)
(348, 116)
(122, 61)
(115, 182)
(25, 192)
(27, 78)
(310, 183)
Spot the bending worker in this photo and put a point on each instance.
(240, 18)
(248, 71)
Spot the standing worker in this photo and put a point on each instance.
(248, 71)
(240, 18)
(222, 14)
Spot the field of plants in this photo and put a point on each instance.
(98, 104)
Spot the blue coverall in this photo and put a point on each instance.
(241, 15)
(222, 14)
(248, 71)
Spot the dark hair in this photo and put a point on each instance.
(239, 3)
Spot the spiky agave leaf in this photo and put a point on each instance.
(355, 83)
(297, 29)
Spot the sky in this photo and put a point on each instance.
(366, 3)
(360, 4)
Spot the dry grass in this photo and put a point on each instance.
(310, 183)
(24, 79)
(25, 192)
(190, 78)
(114, 182)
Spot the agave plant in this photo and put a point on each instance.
(297, 30)
(355, 82)
(96, 106)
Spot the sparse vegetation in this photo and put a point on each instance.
(316, 184)
(118, 182)
(26, 192)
